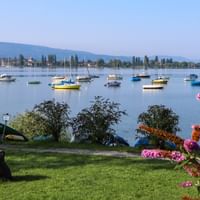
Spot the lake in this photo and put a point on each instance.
(180, 96)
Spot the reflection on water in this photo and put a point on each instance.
(18, 96)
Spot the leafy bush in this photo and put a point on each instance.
(54, 116)
(94, 124)
(159, 117)
(47, 118)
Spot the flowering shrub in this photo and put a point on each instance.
(157, 153)
(188, 157)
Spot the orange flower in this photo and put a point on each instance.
(162, 134)
(196, 132)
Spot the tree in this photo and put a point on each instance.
(72, 61)
(52, 60)
(159, 117)
(54, 116)
(133, 61)
(146, 61)
(43, 60)
(76, 61)
(94, 124)
(21, 60)
(100, 62)
(156, 59)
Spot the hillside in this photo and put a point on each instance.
(14, 49)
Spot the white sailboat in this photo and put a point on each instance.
(67, 83)
(84, 78)
(6, 78)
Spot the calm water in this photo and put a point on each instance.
(18, 96)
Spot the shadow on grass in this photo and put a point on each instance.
(154, 164)
(28, 178)
(20, 160)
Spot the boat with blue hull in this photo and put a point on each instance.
(135, 78)
(195, 83)
(113, 84)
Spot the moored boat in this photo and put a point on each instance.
(34, 82)
(93, 76)
(114, 77)
(62, 81)
(113, 84)
(57, 80)
(191, 77)
(6, 78)
(195, 83)
(153, 86)
(72, 86)
(143, 75)
(58, 77)
(135, 78)
(83, 78)
(159, 81)
(163, 77)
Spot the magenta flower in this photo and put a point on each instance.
(186, 184)
(155, 153)
(190, 145)
(177, 156)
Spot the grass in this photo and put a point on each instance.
(40, 176)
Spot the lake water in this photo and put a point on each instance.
(18, 96)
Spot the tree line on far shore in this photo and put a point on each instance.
(74, 61)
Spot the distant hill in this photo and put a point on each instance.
(35, 51)
(14, 49)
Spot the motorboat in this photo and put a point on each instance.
(6, 78)
(113, 84)
(153, 86)
(114, 77)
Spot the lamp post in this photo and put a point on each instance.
(6, 118)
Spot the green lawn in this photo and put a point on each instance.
(67, 177)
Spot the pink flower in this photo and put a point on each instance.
(177, 156)
(186, 184)
(190, 145)
(155, 153)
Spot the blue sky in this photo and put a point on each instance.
(117, 27)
